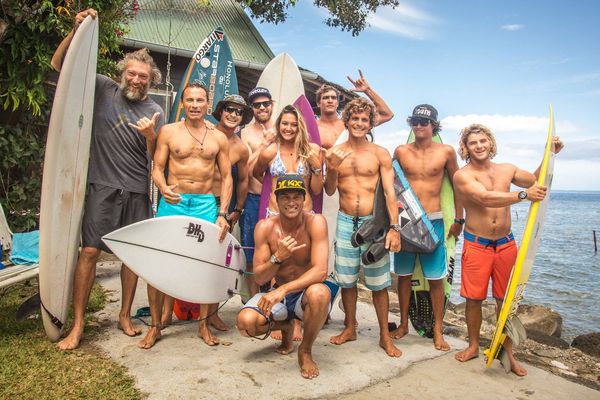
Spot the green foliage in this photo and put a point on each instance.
(348, 15)
(33, 30)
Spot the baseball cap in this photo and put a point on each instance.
(425, 111)
(289, 182)
(258, 92)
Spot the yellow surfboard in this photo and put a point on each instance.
(526, 256)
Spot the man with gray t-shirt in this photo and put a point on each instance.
(123, 141)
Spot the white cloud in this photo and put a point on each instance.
(404, 20)
(512, 27)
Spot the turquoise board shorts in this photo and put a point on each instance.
(347, 257)
(434, 264)
(203, 206)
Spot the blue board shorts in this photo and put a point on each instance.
(434, 264)
(289, 308)
(348, 258)
(203, 206)
(248, 221)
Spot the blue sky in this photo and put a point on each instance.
(496, 63)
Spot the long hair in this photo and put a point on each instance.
(143, 56)
(463, 150)
(302, 141)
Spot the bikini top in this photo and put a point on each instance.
(278, 169)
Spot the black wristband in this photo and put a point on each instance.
(238, 210)
(459, 221)
(222, 214)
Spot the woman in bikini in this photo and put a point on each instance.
(291, 153)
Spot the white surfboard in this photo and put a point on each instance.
(65, 174)
(182, 257)
(282, 77)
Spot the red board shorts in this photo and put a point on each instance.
(483, 259)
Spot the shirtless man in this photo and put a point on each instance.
(193, 149)
(257, 136)
(330, 124)
(232, 112)
(424, 163)
(292, 249)
(489, 250)
(354, 168)
(126, 120)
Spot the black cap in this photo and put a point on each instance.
(258, 92)
(289, 182)
(425, 111)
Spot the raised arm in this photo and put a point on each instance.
(384, 112)
(334, 159)
(59, 53)
(262, 163)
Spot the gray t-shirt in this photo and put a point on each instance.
(118, 154)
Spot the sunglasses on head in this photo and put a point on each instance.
(419, 121)
(260, 104)
(238, 111)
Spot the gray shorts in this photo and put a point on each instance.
(108, 209)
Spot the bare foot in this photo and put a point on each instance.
(467, 354)
(347, 335)
(151, 338)
(297, 336)
(308, 367)
(439, 343)
(399, 332)
(72, 340)
(391, 350)
(207, 335)
(216, 322)
(517, 368)
(276, 335)
(287, 343)
(128, 328)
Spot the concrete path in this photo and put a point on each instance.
(181, 366)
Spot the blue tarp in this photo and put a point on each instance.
(25, 248)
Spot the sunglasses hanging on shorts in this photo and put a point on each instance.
(238, 111)
(260, 104)
(419, 121)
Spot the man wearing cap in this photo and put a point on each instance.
(424, 163)
(354, 169)
(489, 251)
(292, 248)
(193, 149)
(257, 136)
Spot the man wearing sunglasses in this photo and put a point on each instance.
(257, 136)
(424, 163)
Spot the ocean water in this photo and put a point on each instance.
(566, 272)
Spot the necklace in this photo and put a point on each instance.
(194, 137)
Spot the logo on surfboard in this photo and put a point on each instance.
(195, 231)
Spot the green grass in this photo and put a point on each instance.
(32, 367)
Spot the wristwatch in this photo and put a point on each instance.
(238, 210)
(459, 221)
(522, 195)
(275, 260)
(222, 214)
(396, 227)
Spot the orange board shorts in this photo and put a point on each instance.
(483, 259)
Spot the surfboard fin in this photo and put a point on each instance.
(376, 226)
(28, 307)
(515, 330)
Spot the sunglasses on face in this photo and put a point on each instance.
(419, 121)
(238, 111)
(260, 104)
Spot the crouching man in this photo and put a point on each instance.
(292, 248)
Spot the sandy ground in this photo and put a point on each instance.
(181, 366)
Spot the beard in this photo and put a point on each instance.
(262, 118)
(132, 93)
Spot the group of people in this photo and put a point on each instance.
(217, 172)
